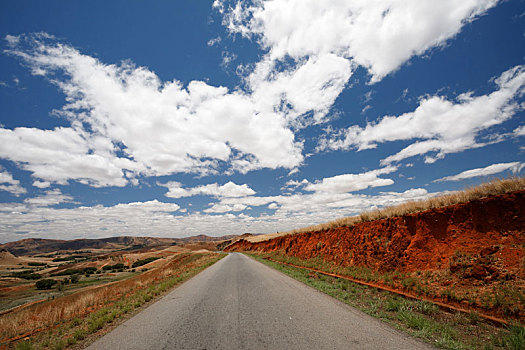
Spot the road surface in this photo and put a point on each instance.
(239, 303)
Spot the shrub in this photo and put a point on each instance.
(86, 270)
(144, 261)
(45, 284)
(27, 275)
(75, 278)
(113, 267)
(69, 258)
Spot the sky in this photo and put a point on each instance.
(173, 119)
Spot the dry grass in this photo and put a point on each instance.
(47, 314)
(494, 187)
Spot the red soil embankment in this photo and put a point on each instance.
(492, 229)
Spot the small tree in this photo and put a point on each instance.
(75, 278)
(45, 284)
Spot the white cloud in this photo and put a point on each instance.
(379, 35)
(223, 208)
(331, 197)
(51, 197)
(293, 171)
(352, 182)
(161, 128)
(9, 184)
(153, 206)
(12, 39)
(515, 167)
(62, 154)
(439, 125)
(312, 84)
(41, 184)
(214, 41)
(229, 189)
(519, 131)
(227, 58)
(295, 183)
(312, 47)
(327, 206)
(273, 206)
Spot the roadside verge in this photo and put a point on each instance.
(445, 329)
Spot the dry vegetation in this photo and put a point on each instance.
(494, 187)
(35, 318)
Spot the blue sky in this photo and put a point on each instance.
(222, 117)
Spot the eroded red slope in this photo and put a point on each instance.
(491, 228)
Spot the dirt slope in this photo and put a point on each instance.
(493, 228)
(7, 259)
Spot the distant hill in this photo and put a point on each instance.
(42, 246)
(6, 258)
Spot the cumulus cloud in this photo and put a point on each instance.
(229, 189)
(9, 184)
(331, 196)
(441, 126)
(327, 206)
(352, 182)
(310, 85)
(64, 154)
(41, 184)
(514, 167)
(157, 128)
(292, 184)
(51, 197)
(378, 35)
(273, 206)
(153, 206)
(223, 208)
(313, 47)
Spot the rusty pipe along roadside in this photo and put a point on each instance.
(448, 307)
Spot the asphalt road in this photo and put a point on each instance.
(239, 303)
